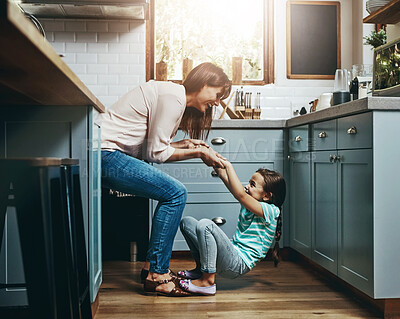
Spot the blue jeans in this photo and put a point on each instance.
(130, 175)
(212, 249)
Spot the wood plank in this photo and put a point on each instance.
(388, 14)
(288, 291)
(30, 67)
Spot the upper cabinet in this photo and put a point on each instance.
(389, 14)
(87, 9)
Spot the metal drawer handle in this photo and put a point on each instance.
(218, 141)
(322, 134)
(298, 138)
(214, 173)
(352, 130)
(219, 221)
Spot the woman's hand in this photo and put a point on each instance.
(189, 143)
(212, 158)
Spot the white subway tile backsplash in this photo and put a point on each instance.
(275, 102)
(69, 58)
(59, 47)
(79, 69)
(117, 26)
(118, 69)
(75, 26)
(99, 89)
(88, 79)
(129, 58)
(284, 91)
(108, 58)
(75, 47)
(137, 48)
(137, 69)
(118, 48)
(107, 79)
(86, 58)
(97, 47)
(107, 37)
(97, 26)
(131, 80)
(97, 68)
(52, 25)
(118, 89)
(129, 37)
(86, 37)
(137, 26)
(64, 36)
(50, 36)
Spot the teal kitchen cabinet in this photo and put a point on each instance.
(50, 131)
(324, 210)
(300, 190)
(342, 198)
(208, 197)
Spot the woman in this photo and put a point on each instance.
(140, 127)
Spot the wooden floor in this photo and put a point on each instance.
(288, 291)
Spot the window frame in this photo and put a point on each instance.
(268, 45)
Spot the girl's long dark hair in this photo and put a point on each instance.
(194, 123)
(275, 184)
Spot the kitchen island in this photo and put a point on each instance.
(45, 111)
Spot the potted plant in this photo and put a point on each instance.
(376, 39)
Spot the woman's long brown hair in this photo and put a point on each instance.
(194, 123)
(275, 184)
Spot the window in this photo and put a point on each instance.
(213, 31)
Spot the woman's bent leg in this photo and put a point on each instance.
(130, 175)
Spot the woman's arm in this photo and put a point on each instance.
(188, 143)
(207, 155)
(232, 182)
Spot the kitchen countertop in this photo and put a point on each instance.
(32, 73)
(349, 108)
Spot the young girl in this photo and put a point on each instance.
(258, 225)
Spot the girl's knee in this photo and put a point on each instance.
(187, 221)
(204, 224)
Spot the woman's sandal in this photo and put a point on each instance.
(150, 288)
(145, 272)
(189, 274)
(187, 286)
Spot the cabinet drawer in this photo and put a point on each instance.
(324, 135)
(298, 139)
(198, 177)
(229, 211)
(355, 131)
(242, 140)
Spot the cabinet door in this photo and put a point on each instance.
(325, 218)
(356, 219)
(300, 202)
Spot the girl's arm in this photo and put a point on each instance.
(232, 182)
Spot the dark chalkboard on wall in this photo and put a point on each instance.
(313, 39)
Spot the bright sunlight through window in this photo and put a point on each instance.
(210, 31)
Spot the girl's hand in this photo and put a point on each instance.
(211, 157)
(222, 174)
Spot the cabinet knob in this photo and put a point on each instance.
(298, 138)
(332, 158)
(218, 141)
(352, 130)
(338, 158)
(322, 134)
(219, 221)
(214, 173)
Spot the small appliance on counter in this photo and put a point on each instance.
(386, 73)
(341, 90)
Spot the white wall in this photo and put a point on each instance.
(109, 57)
